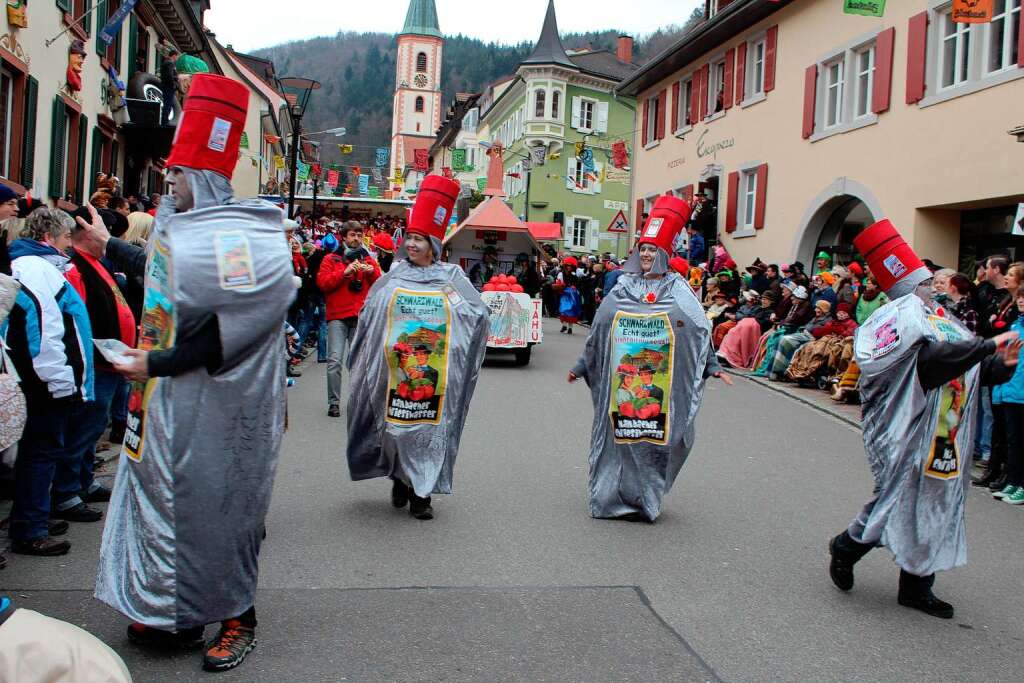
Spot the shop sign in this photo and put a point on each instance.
(615, 206)
(705, 149)
(867, 8)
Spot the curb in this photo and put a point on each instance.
(823, 408)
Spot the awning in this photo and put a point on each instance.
(546, 232)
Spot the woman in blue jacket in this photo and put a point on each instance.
(1008, 399)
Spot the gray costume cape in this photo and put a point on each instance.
(185, 520)
(391, 432)
(920, 478)
(634, 460)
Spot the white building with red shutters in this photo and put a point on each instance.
(805, 125)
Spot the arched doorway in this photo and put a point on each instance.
(833, 219)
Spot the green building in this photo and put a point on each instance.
(557, 100)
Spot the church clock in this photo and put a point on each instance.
(420, 81)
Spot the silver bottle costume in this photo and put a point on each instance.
(918, 508)
(420, 453)
(185, 521)
(627, 475)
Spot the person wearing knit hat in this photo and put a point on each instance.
(652, 320)
(181, 463)
(414, 361)
(921, 376)
(789, 343)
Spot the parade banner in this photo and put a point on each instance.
(417, 355)
(422, 160)
(510, 315)
(113, 26)
(156, 332)
(382, 156)
(867, 8)
(972, 11)
(536, 321)
(458, 159)
(641, 385)
(364, 184)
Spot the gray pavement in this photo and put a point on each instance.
(514, 581)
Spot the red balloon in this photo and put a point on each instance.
(489, 287)
(502, 287)
(517, 288)
(512, 279)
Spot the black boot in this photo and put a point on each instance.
(845, 553)
(399, 494)
(420, 507)
(999, 483)
(990, 475)
(117, 429)
(916, 593)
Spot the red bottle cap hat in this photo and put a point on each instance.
(667, 219)
(433, 208)
(210, 130)
(891, 260)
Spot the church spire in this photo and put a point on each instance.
(421, 19)
(549, 48)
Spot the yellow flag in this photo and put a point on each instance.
(278, 161)
(345, 149)
(554, 156)
(398, 175)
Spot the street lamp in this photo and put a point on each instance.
(296, 92)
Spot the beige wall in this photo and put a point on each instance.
(952, 152)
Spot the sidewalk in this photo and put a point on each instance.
(815, 398)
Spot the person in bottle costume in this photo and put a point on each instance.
(646, 362)
(207, 411)
(415, 359)
(921, 374)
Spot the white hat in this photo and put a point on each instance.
(290, 225)
(800, 292)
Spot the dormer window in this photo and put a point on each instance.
(421, 62)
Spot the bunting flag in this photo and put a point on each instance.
(422, 160)
(972, 11)
(374, 192)
(244, 143)
(316, 171)
(332, 178)
(620, 155)
(459, 159)
(364, 185)
(357, 171)
(377, 176)
(481, 184)
(302, 172)
(112, 28)
(278, 162)
(345, 149)
(271, 139)
(382, 156)
(446, 171)
(867, 8)
(398, 176)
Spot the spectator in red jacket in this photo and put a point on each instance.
(345, 278)
(843, 325)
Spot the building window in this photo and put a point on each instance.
(419, 104)
(955, 54)
(578, 236)
(1002, 36)
(653, 105)
(685, 99)
(755, 73)
(587, 114)
(540, 104)
(716, 87)
(556, 104)
(749, 185)
(834, 93)
(580, 177)
(864, 63)
(6, 122)
(421, 62)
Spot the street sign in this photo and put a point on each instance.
(619, 223)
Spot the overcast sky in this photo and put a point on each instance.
(239, 23)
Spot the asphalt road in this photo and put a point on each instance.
(514, 581)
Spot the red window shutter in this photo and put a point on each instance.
(730, 60)
(695, 97)
(741, 72)
(675, 106)
(703, 101)
(762, 193)
(686, 192)
(771, 43)
(810, 95)
(647, 115)
(639, 215)
(734, 196)
(917, 46)
(662, 105)
(881, 96)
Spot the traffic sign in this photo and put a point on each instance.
(619, 223)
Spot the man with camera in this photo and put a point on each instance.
(345, 278)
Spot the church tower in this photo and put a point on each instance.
(417, 103)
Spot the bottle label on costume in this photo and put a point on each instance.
(218, 141)
(641, 383)
(234, 260)
(416, 349)
(156, 332)
(886, 337)
(944, 455)
(893, 264)
(654, 227)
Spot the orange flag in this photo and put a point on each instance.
(972, 11)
